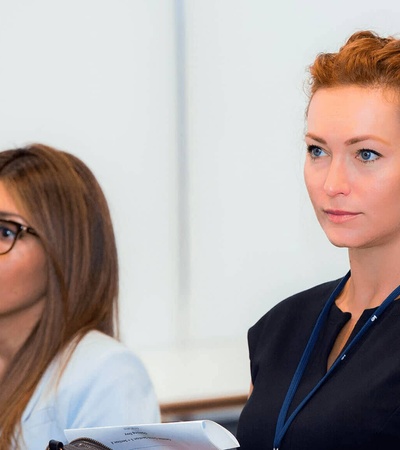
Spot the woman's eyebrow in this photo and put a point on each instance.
(366, 137)
(316, 138)
(351, 141)
(9, 215)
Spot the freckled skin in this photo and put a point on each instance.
(345, 179)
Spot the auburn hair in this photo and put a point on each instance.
(365, 60)
(67, 208)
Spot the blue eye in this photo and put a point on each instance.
(366, 155)
(315, 151)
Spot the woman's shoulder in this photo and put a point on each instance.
(307, 299)
(98, 353)
(302, 306)
(97, 381)
(102, 369)
(95, 343)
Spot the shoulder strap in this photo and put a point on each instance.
(55, 445)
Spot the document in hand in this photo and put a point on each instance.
(197, 434)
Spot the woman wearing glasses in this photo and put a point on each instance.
(325, 363)
(60, 366)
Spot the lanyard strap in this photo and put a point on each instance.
(283, 424)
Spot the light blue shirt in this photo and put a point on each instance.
(102, 384)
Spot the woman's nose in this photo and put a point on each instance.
(337, 179)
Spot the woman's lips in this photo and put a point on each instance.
(340, 216)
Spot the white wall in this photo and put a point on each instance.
(100, 78)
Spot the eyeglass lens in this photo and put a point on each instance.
(8, 233)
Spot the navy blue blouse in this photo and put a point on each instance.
(357, 408)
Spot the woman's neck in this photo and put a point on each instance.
(375, 273)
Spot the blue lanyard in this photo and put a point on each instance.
(283, 423)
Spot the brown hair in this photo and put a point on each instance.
(366, 60)
(68, 210)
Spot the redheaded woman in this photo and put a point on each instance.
(325, 363)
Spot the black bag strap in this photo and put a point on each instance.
(79, 443)
(55, 445)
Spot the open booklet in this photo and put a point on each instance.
(197, 434)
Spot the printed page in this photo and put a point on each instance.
(198, 434)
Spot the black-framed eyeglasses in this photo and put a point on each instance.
(9, 233)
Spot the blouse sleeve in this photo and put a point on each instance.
(105, 384)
